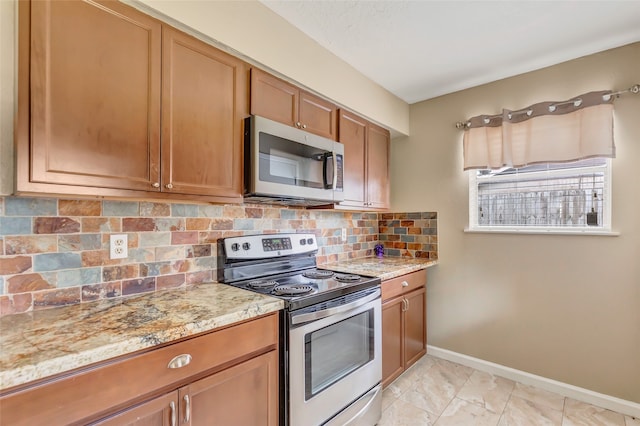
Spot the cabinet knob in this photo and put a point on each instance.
(156, 184)
(298, 124)
(405, 284)
(179, 361)
(304, 126)
(169, 186)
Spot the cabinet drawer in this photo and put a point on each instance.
(403, 284)
(95, 391)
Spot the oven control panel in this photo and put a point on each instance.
(268, 245)
(276, 243)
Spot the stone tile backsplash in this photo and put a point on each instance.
(56, 251)
(409, 234)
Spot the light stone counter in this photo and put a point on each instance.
(35, 345)
(383, 267)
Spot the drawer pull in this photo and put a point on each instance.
(405, 284)
(172, 405)
(179, 361)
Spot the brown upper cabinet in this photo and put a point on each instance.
(97, 79)
(203, 103)
(366, 157)
(280, 101)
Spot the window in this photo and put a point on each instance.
(560, 197)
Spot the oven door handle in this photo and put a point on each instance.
(312, 316)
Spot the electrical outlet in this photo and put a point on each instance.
(344, 235)
(118, 248)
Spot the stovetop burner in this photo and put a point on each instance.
(318, 274)
(262, 284)
(292, 290)
(284, 266)
(347, 278)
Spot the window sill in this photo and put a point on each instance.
(543, 231)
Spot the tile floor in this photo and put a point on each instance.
(439, 392)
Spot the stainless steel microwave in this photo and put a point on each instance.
(285, 165)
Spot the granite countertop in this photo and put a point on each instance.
(383, 267)
(39, 344)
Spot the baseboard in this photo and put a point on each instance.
(619, 405)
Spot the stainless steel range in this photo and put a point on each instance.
(330, 328)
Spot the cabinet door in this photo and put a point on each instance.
(157, 412)
(203, 104)
(378, 141)
(246, 394)
(392, 340)
(273, 98)
(353, 133)
(415, 323)
(94, 96)
(317, 116)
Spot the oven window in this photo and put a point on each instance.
(290, 163)
(333, 352)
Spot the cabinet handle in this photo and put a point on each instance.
(172, 406)
(407, 304)
(298, 124)
(156, 184)
(404, 305)
(179, 361)
(304, 126)
(187, 408)
(405, 284)
(169, 186)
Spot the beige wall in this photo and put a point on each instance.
(7, 87)
(563, 307)
(256, 32)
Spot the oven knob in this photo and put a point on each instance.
(303, 242)
(246, 246)
(309, 240)
(235, 246)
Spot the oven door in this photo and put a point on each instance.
(335, 362)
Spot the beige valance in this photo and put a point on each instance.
(547, 132)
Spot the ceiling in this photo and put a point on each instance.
(421, 49)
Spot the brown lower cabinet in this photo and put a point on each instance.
(404, 324)
(232, 379)
(240, 395)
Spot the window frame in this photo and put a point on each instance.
(605, 229)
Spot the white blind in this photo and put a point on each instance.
(566, 195)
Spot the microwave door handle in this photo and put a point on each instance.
(334, 180)
(334, 158)
(325, 157)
